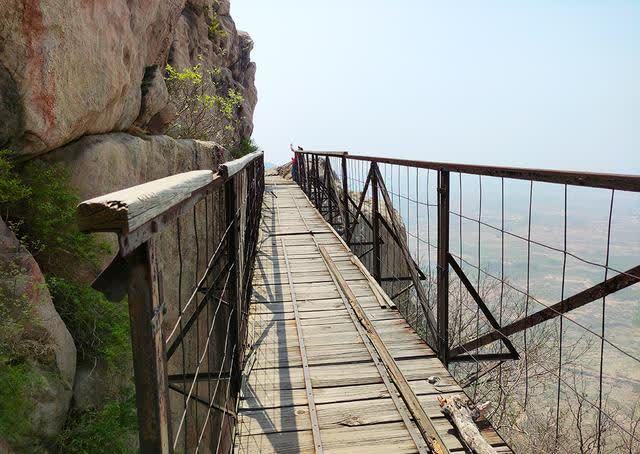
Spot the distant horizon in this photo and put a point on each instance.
(537, 84)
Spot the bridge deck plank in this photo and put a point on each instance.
(354, 408)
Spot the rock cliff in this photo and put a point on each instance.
(84, 83)
(70, 68)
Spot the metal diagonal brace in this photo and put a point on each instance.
(481, 304)
(619, 282)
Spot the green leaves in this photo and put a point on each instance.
(11, 188)
(48, 216)
(110, 429)
(205, 111)
(191, 74)
(100, 327)
(247, 145)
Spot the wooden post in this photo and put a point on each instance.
(443, 266)
(345, 197)
(149, 357)
(376, 223)
(232, 295)
(232, 250)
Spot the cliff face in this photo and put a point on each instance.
(70, 68)
(84, 83)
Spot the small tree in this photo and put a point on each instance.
(204, 110)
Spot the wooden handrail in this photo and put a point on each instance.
(230, 168)
(126, 210)
(138, 212)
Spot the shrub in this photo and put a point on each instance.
(111, 429)
(205, 111)
(18, 381)
(100, 328)
(11, 188)
(40, 206)
(45, 220)
(246, 146)
(214, 28)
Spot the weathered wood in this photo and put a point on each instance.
(150, 373)
(355, 407)
(462, 417)
(416, 436)
(230, 168)
(379, 293)
(423, 422)
(315, 427)
(124, 211)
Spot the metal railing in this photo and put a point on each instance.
(519, 279)
(187, 246)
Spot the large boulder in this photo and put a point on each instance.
(78, 65)
(105, 163)
(69, 68)
(42, 338)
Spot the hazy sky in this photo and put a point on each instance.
(552, 84)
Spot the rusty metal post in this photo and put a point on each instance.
(149, 356)
(307, 171)
(345, 196)
(328, 173)
(316, 179)
(375, 212)
(443, 267)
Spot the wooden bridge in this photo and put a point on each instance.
(256, 326)
(331, 364)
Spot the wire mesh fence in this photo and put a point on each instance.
(521, 280)
(189, 267)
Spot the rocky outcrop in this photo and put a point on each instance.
(75, 67)
(106, 163)
(82, 82)
(42, 337)
(207, 36)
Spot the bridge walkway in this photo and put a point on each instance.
(313, 382)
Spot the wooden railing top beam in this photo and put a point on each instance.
(136, 213)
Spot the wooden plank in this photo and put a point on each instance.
(317, 440)
(423, 422)
(344, 378)
(290, 397)
(376, 439)
(230, 168)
